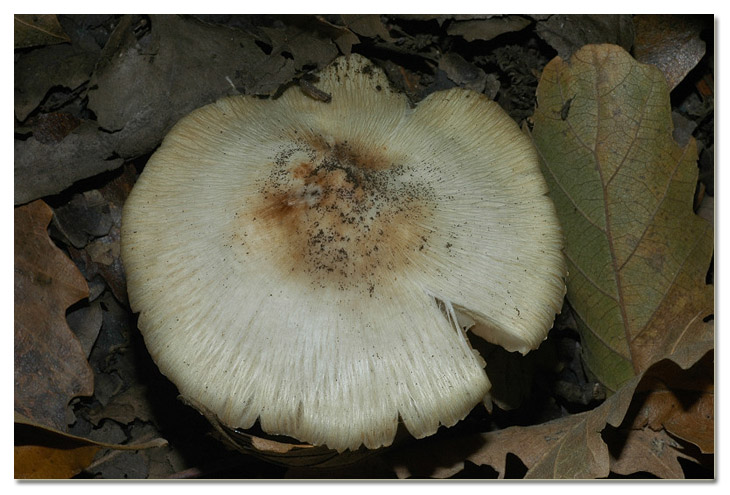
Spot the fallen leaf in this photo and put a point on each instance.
(153, 72)
(304, 46)
(571, 447)
(126, 407)
(637, 254)
(38, 71)
(47, 453)
(42, 169)
(37, 30)
(101, 214)
(53, 127)
(50, 364)
(43, 462)
(647, 451)
(487, 29)
(670, 402)
(568, 33)
(670, 42)
(343, 37)
(462, 72)
(85, 322)
(367, 25)
(84, 217)
(678, 401)
(683, 128)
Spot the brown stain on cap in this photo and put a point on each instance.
(339, 214)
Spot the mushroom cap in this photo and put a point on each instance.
(301, 262)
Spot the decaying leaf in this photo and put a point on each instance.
(367, 25)
(678, 401)
(300, 43)
(572, 447)
(126, 406)
(50, 364)
(41, 69)
(91, 223)
(46, 453)
(342, 36)
(153, 71)
(44, 462)
(654, 452)
(43, 169)
(85, 321)
(462, 72)
(38, 29)
(53, 127)
(568, 33)
(637, 253)
(567, 448)
(84, 217)
(670, 42)
(487, 29)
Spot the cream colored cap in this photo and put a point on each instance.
(302, 262)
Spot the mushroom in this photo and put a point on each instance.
(303, 263)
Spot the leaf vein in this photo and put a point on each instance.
(589, 279)
(634, 139)
(656, 210)
(672, 282)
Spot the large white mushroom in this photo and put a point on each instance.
(301, 263)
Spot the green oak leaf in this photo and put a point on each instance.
(637, 254)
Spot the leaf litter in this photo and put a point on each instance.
(124, 85)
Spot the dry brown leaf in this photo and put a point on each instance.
(649, 451)
(43, 462)
(670, 42)
(126, 407)
(462, 72)
(571, 447)
(681, 402)
(47, 453)
(368, 25)
(37, 30)
(50, 364)
(101, 255)
(85, 321)
(567, 33)
(343, 37)
(44, 169)
(53, 127)
(487, 29)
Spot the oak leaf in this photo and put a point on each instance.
(650, 451)
(678, 401)
(50, 364)
(579, 446)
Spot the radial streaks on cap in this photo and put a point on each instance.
(290, 259)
